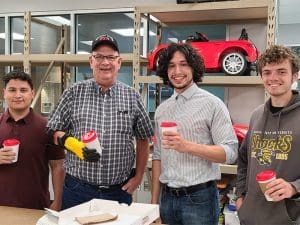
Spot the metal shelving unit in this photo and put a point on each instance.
(71, 59)
(205, 13)
(213, 80)
(201, 13)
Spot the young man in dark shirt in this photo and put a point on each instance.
(25, 183)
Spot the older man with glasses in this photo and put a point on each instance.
(116, 113)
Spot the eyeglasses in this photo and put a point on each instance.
(101, 58)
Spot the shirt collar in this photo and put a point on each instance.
(109, 91)
(26, 119)
(188, 93)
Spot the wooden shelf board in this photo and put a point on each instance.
(232, 80)
(228, 169)
(213, 80)
(207, 12)
(72, 59)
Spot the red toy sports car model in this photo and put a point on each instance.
(233, 57)
(240, 131)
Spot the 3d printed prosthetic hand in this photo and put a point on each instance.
(72, 144)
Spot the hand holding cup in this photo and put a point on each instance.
(172, 139)
(263, 178)
(167, 127)
(12, 144)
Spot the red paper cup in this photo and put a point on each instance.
(263, 178)
(91, 140)
(14, 145)
(168, 126)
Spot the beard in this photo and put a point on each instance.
(182, 86)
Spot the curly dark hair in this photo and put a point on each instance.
(17, 75)
(193, 59)
(277, 54)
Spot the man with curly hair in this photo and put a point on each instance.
(272, 143)
(186, 163)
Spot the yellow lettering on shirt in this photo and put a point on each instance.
(282, 156)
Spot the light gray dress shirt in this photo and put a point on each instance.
(201, 118)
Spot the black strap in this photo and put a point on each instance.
(61, 140)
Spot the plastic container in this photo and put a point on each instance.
(232, 200)
(231, 217)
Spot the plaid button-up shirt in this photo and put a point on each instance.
(118, 115)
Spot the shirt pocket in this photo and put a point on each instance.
(123, 121)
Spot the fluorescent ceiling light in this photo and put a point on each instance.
(174, 40)
(55, 20)
(83, 52)
(60, 19)
(131, 16)
(16, 36)
(128, 32)
(89, 43)
(154, 19)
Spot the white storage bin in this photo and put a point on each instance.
(231, 217)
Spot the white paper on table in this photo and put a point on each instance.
(47, 220)
(135, 214)
(90, 208)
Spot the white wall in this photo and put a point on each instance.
(289, 34)
(288, 22)
(289, 11)
(241, 101)
(256, 33)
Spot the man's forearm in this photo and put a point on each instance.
(142, 156)
(56, 135)
(155, 190)
(58, 176)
